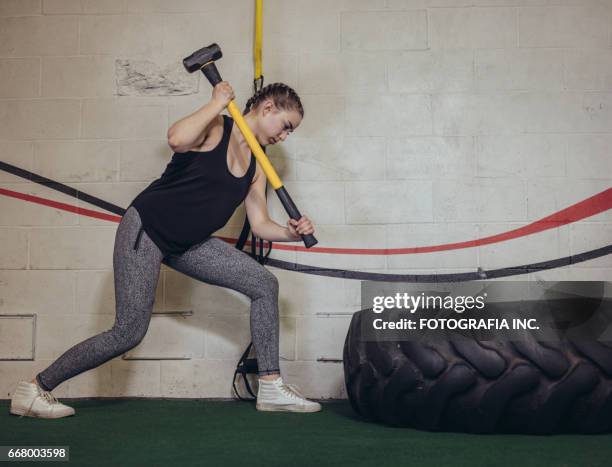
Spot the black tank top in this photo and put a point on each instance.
(194, 197)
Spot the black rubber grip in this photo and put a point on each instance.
(294, 213)
(212, 74)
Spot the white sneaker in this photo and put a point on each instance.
(30, 400)
(276, 396)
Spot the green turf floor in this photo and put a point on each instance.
(123, 432)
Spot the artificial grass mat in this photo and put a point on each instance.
(109, 432)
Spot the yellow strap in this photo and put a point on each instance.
(258, 38)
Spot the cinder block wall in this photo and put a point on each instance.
(427, 122)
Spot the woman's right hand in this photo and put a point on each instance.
(223, 94)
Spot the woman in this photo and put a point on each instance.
(171, 221)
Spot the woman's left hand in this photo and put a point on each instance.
(300, 227)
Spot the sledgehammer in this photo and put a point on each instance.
(204, 59)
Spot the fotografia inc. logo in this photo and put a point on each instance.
(413, 303)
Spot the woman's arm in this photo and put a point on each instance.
(191, 131)
(261, 224)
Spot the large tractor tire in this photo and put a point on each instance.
(481, 387)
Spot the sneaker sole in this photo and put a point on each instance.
(22, 413)
(286, 408)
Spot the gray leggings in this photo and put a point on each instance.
(136, 263)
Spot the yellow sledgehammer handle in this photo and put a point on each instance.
(261, 157)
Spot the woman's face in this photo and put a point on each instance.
(275, 124)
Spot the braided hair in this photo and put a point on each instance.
(282, 95)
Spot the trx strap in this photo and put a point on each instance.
(258, 82)
(245, 366)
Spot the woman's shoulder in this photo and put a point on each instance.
(214, 134)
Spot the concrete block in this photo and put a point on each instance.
(20, 7)
(120, 34)
(321, 337)
(88, 7)
(186, 33)
(14, 248)
(588, 69)
(19, 154)
(77, 161)
(342, 73)
(473, 28)
(404, 114)
(587, 236)
(347, 236)
(20, 77)
(136, 378)
(479, 200)
(174, 337)
(96, 382)
(95, 293)
(143, 161)
(13, 372)
(39, 119)
(62, 7)
(287, 337)
(588, 156)
(544, 246)
(37, 292)
(92, 76)
(430, 234)
(17, 334)
(179, 6)
(72, 248)
(290, 27)
(226, 335)
(519, 69)
(307, 294)
(124, 119)
(322, 202)
(323, 117)
(521, 156)
(474, 114)
(431, 71)
(119, 194)
(59, 332)
(38, 36)
(16, 212)
(564, 26)
(569, 112)
(197, 378)
(430, 158)
(350, 158)
(398, 30)
(547, 196)
(391, 202)
(184, 293)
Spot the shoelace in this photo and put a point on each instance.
(291, 391)
(48, 397)
(45, 395)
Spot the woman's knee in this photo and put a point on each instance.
(270, 283)
(125, 339)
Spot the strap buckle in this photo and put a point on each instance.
(258, 83)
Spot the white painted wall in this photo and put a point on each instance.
(427, 122)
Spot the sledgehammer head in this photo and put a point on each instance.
(201, 57)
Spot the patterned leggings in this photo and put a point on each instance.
(136, 264)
